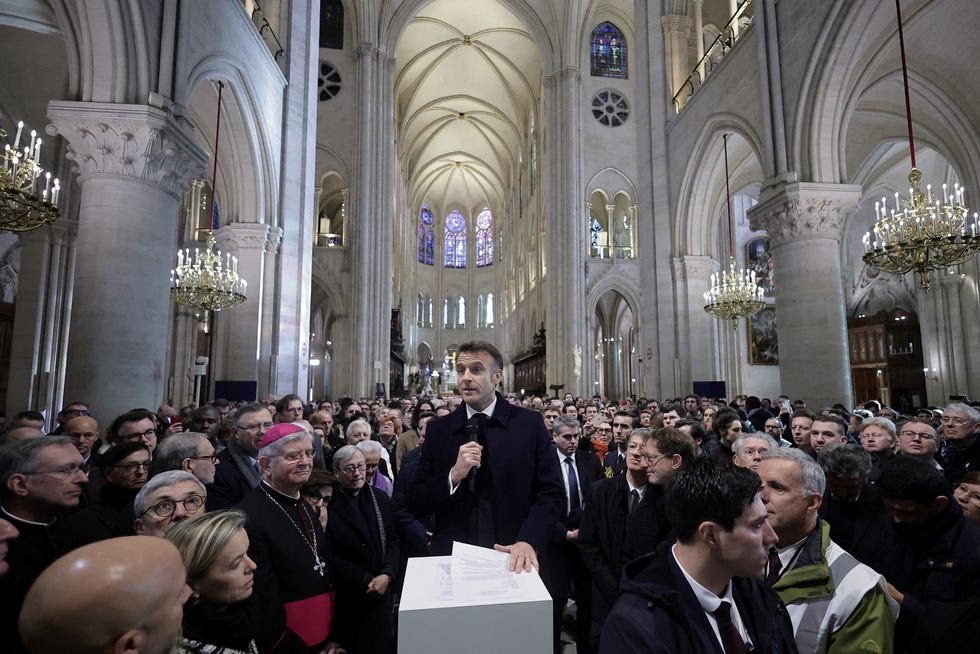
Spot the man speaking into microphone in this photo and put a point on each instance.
(486, 470)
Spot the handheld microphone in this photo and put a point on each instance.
(472, 431)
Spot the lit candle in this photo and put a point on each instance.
(37, 150)
(20, 128)
(30, 148)
(929, 192)
(47, 183)
(180, 258)
(55, 192)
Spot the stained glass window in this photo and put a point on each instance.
(609, 52)
(455, 241)
(484, 238)
(332, 24)
(426, 237)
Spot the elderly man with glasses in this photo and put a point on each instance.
(168, 498)
(40, 478)
(287, 543)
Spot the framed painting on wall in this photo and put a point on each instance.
(763, 343)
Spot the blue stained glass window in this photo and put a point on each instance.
(484, 238)
(609, 52)
(426, 237)
(455, 241)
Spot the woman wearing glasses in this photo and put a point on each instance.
(124, 469)
(217, 617)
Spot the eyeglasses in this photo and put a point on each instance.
(293, 457)
(652, 460)
(212, 458)
(953, 420)
(132, 467)
(604, 430)
(64, 471)
(317, 500)
(166, 508)
(917, 434)
(137, 436)
(351, 469)
(261, 425)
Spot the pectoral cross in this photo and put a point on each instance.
(319, 566)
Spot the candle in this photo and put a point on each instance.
(20, 128)
(30, 148)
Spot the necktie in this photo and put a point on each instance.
(634, 499)
(731, 641)
(574, 500)
(772, 576)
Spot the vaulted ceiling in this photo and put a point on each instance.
(468, 77)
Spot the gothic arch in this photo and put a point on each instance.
(702, 188)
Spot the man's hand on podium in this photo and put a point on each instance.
(522, 556)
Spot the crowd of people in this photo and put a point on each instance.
(688, 524)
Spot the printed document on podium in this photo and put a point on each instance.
(481, 574)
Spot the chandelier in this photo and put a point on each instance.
(24, 204)
(207, 280)
(922, 232)
(734, 293)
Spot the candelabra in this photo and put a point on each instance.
(734, 293)
(923, 232)
(206, 280)
(24, 204)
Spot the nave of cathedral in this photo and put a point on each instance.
(398, 177)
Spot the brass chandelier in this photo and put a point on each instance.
(923, 231)
(28, 194)
(206, 280)
(734, 292)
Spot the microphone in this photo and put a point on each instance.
(472, 431)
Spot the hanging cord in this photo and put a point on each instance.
(728, 202)
(214, 173)
(905, 80)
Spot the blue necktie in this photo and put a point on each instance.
(574, 501)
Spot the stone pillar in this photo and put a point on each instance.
(699, 35)
(732, 8)
(692, 277)
(675, 30)
(41, 322)
(567, 229)
(133, 161)
(237, 351)
(371, 215)
(804, 222)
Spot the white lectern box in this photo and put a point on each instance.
(434, 618)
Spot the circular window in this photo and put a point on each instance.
(610, 108)
(329, 84)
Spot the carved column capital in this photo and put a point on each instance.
(136, 141)
(691, 267)
(794, 211)
(672, 24)
(243, 236)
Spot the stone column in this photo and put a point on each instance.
(804, 222)
(675, 31)
(699, 35)
(692, 277)
(237, 351)
(567, 230)
(133, 161)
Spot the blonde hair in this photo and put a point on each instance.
(200, 540)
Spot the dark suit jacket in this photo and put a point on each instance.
(613, 462)
(526, 487)
(411, 528)
(589, 471)
(234, 478)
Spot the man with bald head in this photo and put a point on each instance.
(138, 585)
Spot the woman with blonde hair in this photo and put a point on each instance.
(214, 548)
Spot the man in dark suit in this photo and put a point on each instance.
(238, 470)
(562, 566)
(516, 493)
(605, 523)
(615, 461)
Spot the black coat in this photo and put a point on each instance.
(364, 622)
(658, 613)
(411, 528)
(111, 516)
(521, 477)
(28, 555)
(612, 463)
(284, 563)
(234, 478)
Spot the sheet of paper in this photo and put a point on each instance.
(479, 573)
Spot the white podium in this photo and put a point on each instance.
(436, 618)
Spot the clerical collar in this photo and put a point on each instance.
(488, 412)
(279, 494)
(25, 520)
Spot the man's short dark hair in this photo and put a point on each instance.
(19, 418)
(697, 429)
(219, 403)
(133, 415)
(251, 407)
(285, 400)
(845, 460)
(837, 420)
(724, 419)
(671, 441)
(622, 413)
(676, 408)
(905, 478)
(804, 413)
(120, 451)
(710, 490)
(476, 347)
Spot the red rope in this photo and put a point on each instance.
(214, 173)
(905, 80)
(728, 202)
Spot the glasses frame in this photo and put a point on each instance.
(64, 471)
(155, 508)
(132, 467)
